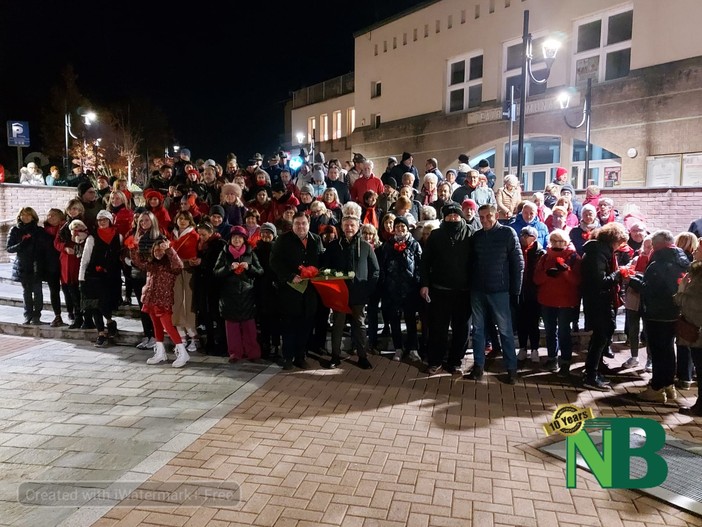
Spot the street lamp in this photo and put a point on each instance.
(564, 100)
(89, 117)
(549, 49)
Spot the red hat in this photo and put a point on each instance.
(193, 171)
(469, 204)
(152, 193)
(238, 230)
(560, 171)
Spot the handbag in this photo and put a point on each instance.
(686, 330)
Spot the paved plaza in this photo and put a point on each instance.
(349, 447)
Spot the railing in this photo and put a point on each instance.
(328, 89)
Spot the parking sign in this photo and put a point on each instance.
(17, 133)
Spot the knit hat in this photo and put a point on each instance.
(77, 224)
(217, 209)
(469, 204)
(83, 187)
(464, 168)
(451, 208)
(278, 186)
(209, 163)
(238, 230)
(307, 189)
(483, 163)
(567, 188)
(152, 193)
(318, 175)
(451, 170)
(258, 157)
(406, 156)
(269, 227)
(392, 159)
(560, 171)
(391, 183)
(104, 214)
(185, 152)
(401, 219)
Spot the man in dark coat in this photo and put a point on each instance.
(406, 165)
(498, 266)
(445, 281)
(353, 253)
(298, 299)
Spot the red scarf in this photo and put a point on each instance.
(236, 253)
(106, 234)
(371, 217)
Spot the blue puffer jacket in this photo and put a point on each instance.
(498, 262)
(660, 283)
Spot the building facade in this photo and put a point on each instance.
(433, 81)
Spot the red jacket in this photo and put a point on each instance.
(562, 290)
(70, 263)
(123, 219)
(185, 243)
(362, 185)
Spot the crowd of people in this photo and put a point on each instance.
(221, 259)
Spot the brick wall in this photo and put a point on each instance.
(672, 209)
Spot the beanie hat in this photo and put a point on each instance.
(269, 227)
(104, 214)
(469, 204)
(318, 175)
(152, 193)
(568, 188)
(238, 230)
(185, 152)
(217, 209)
(83, 187)
(209, 163)
(560, 171)
(483, 163)
(278, 186)
(391, 183)
(307, 189)
(392, 159)
(406, 156)
(401, 219)
(77, 224)
(464, 168)
(451, 208)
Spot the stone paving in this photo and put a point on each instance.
(386, 447)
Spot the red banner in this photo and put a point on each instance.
(334, 294)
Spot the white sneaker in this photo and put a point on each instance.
(192, 345)
(414, 356)
(159, 354)
(522, 355)
(181, 356)
(398, 355)
(534, 355)
(143, 344)
(631, 362)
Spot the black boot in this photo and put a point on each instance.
(77, 322)
(111, 329)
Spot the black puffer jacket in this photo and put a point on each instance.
(29, 241)
(600, 283)
(446, 257)
(237, 299)
(660, 283)
(400, 273)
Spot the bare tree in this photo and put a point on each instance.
(127, 145)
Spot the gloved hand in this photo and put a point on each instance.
(553, 272)
(562, 266)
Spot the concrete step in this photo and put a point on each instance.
(12, 323)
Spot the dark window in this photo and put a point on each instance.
(589, 35)
(620, 27)
(476, 67)
(456, 100)
(458, 72)
(475, 96)
(617, 64)
(514, 57)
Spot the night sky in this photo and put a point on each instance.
(221, 71)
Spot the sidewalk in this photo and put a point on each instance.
(349, 447)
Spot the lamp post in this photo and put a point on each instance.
(88, 118)
(564, 100)
(549, 49)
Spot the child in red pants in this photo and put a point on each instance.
(235, 271)
(157, 299)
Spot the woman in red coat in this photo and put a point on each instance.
(184, 241)
(557, 276)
